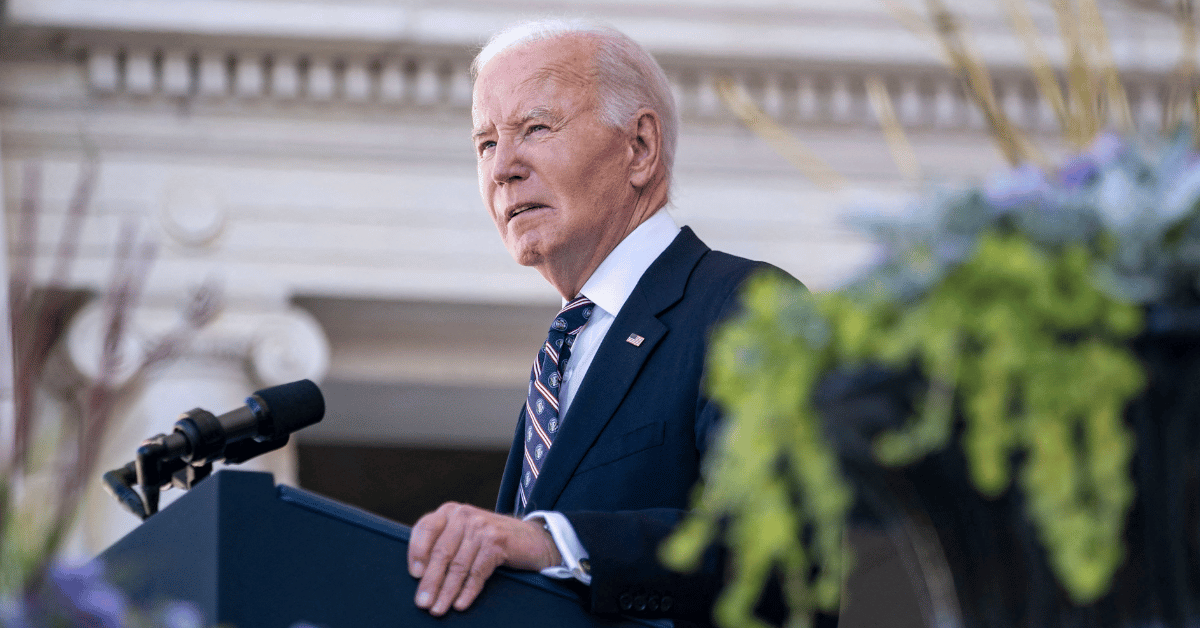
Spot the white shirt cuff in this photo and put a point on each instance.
(575, 557)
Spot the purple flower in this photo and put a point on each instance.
(80, 595)
(14, 613)
(182, 615)
(1021, 186)
(1107, 148)
(1082, 170)
(1078, 172)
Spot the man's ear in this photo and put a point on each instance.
(646, 145)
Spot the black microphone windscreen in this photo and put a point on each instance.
(292, 406)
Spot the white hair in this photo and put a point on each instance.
(627, 77)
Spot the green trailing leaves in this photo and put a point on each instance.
(773, 474)
(1018, 342)
(1016, 302)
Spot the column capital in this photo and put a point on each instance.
(271, 346)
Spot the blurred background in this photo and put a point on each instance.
(307, 165)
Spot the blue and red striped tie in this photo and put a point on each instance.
(542, 419)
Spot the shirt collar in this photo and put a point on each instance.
(614, 280)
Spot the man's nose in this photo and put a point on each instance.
(508, 163)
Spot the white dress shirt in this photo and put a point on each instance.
(608, 287)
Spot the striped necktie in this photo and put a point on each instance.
(542, 419)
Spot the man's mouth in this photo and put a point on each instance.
(520, 209)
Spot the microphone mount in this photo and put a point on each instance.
(186, 455)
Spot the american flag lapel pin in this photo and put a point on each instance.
(634, 340)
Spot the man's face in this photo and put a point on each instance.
(555, 179)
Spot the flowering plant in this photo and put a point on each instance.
(1006, 385)
(51, 457)
(82, 596)
(1017, 302)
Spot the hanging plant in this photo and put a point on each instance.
(1017, 306)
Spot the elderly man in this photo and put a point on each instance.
(575, 130)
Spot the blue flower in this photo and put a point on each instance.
(1023, 186)
(14, 614)
(1182, 191)
(1107, 149)
(1080, 171)
(1119, 200)
(82, 596)
(1084, 169)
(181, 615)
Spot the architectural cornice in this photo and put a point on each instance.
(805, 64)
(816, 92)
(861, 31)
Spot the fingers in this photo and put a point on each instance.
(452, 555)
(454, 550)
(473, 585)
(424, 534)
(465, 575)
(493, 543)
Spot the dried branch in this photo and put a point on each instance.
(21, 284)
(203, 306)
(780, 139)
(1116, 100)
(37, 318)
(915, 22)
(1183, 76)
(68, 241)
(1039, 62)
(969, 66)
(901, 149)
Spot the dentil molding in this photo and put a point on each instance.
(805, 62)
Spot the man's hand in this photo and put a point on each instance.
(454, 549)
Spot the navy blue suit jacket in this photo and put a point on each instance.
(624, 463)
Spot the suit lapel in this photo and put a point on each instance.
(617, 363)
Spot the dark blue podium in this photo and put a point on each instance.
(250, 554)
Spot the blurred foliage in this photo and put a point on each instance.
(50, 460)
(1016, 300)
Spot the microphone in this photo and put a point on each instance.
(186, 455)
(269, 416)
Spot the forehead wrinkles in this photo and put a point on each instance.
(569, 70)
(564, 72)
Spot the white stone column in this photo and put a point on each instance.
(242, 350)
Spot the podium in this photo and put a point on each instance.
(250, 554)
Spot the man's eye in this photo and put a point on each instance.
(484, 146)
(536, 127)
